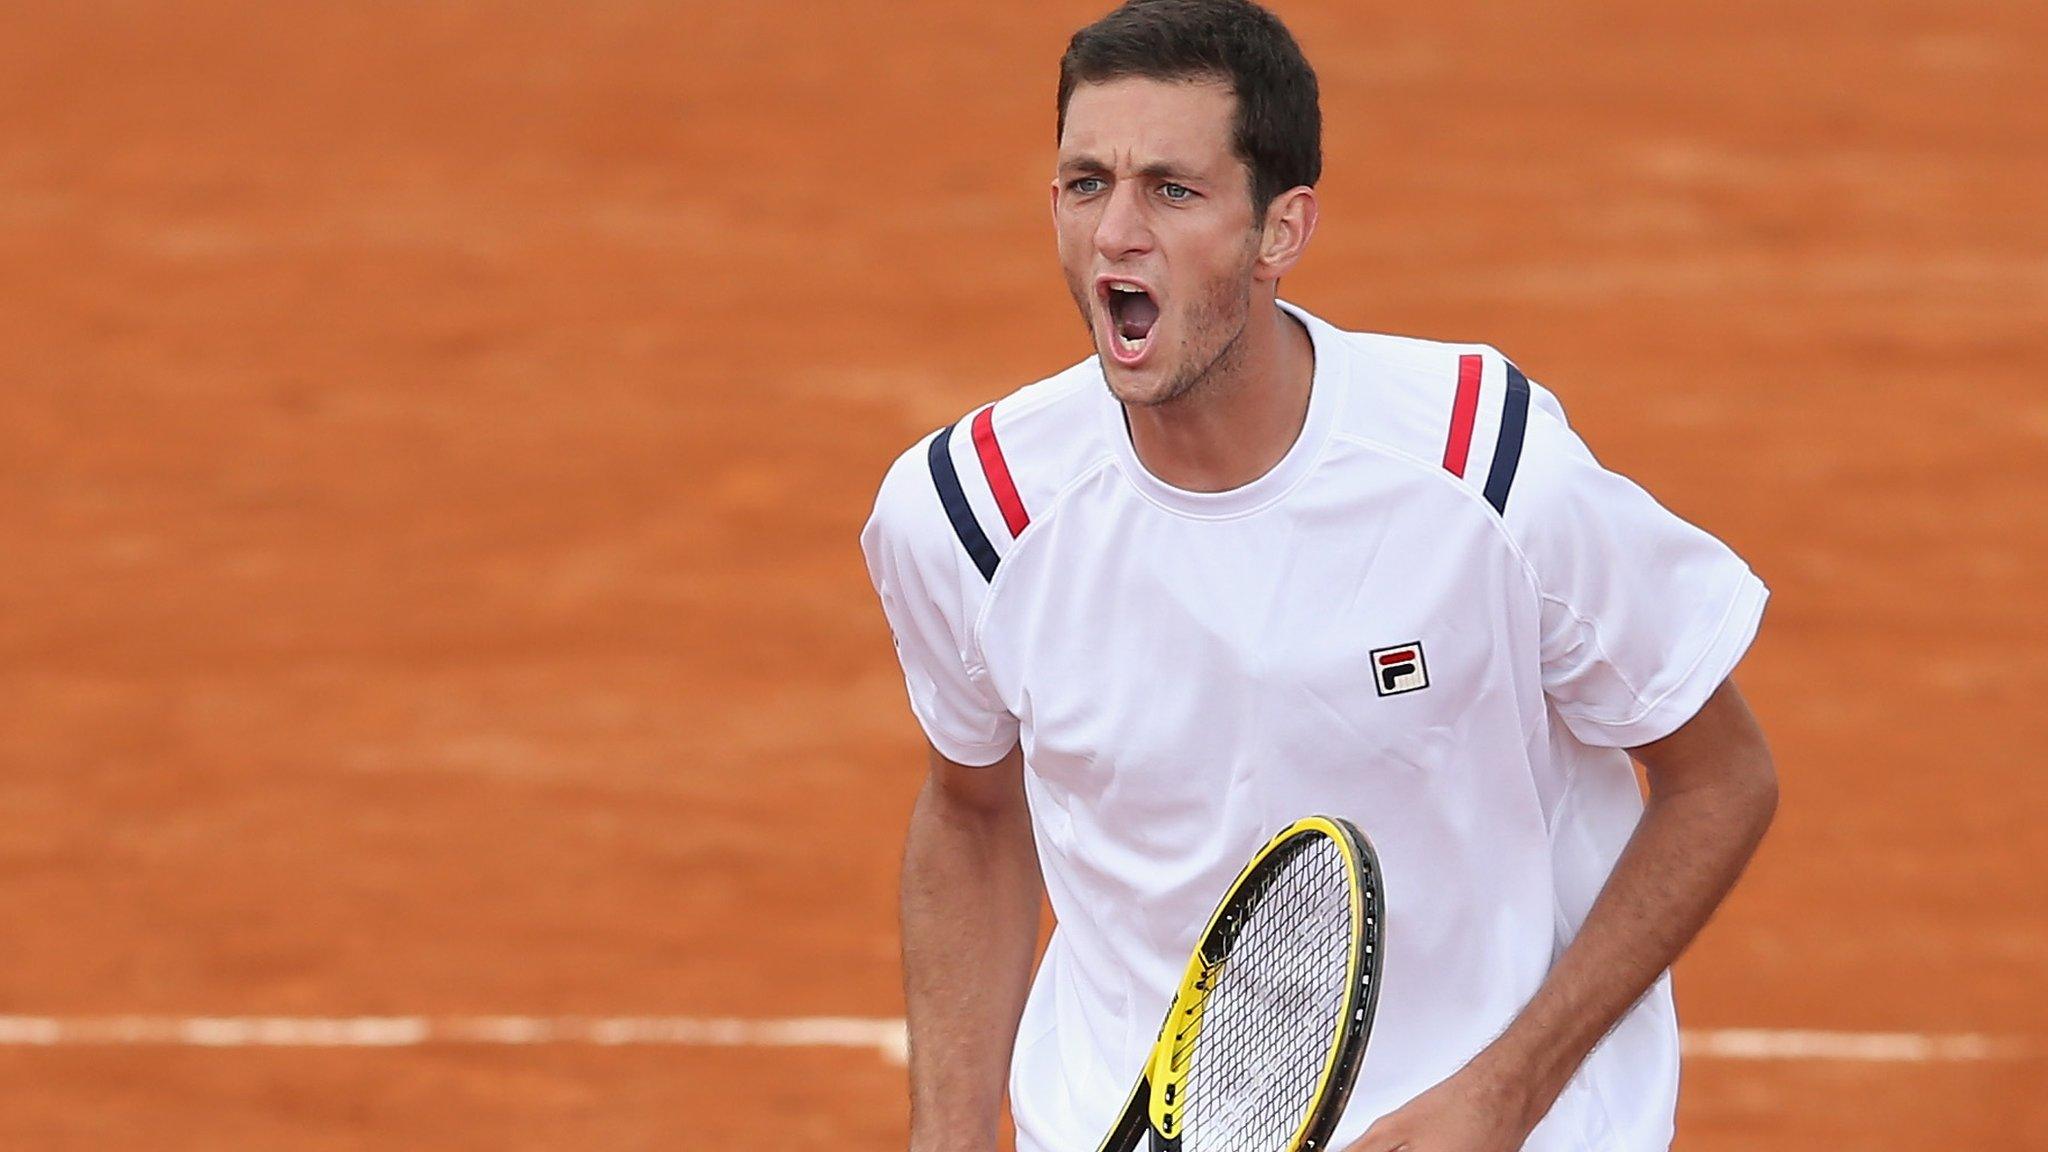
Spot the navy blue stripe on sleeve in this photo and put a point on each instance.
(947, 480)
(1507, 450)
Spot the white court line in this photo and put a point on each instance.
(881, 1035)
(1873, 1047)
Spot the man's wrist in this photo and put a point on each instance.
(1521, 1083)
(955, 1137)
(952, 1145)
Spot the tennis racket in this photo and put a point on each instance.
(1263, 1040)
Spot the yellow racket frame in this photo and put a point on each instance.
(1158, 1098)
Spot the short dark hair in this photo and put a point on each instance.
(1279, 128)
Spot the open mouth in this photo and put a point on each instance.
(1132, 315)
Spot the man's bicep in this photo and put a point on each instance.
(1722, 742)
(996, 788)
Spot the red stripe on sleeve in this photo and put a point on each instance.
(1462, 412)
(998, 471)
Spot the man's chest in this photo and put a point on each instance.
(1172, 647)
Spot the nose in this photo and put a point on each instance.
(1123, 230)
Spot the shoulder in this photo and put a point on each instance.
(1464, 409)
(972, 487)
(1470, 414)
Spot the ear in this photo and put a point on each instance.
(1290, 221)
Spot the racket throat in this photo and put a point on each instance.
(1173, 1056)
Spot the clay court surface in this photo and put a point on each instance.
(433, 439)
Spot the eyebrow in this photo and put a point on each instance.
(1157, 170)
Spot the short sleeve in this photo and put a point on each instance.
(931, 592)
(1643, 614)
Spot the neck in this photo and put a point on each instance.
(1235, 426)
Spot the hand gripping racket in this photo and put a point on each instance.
(1264, 1038)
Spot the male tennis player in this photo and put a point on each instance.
(1242, 566)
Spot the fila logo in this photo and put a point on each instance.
(1399, 669)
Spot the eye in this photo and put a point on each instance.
(1085, 185)
(1177, 192)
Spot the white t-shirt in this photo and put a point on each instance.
(1437, 616)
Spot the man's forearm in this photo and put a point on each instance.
(1704, 820)
(971, 899)
(1684, 857)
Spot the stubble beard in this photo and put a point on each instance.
(1226, 309)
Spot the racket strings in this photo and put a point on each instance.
(1279, 1001)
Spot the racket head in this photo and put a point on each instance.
(1265, 1036)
